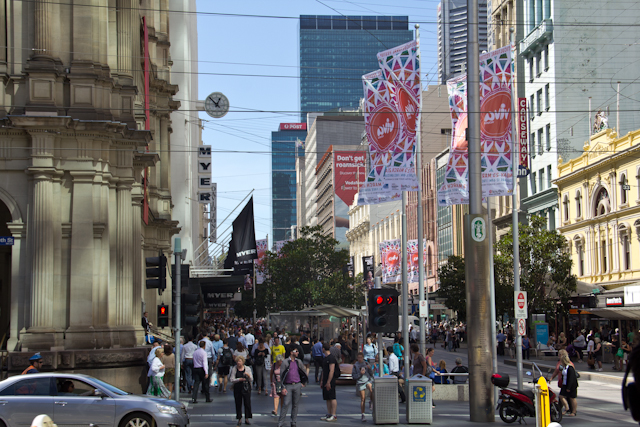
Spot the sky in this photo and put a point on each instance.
(253, 60)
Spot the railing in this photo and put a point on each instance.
(542, 32)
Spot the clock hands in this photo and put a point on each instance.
(217, 104)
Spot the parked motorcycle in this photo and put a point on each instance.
(514, 404)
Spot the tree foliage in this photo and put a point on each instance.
(545, 265)
(308, 271)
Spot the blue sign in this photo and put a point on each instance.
(6, 241)
(542, 333)
(419, 394)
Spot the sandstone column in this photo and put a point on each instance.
(41, 242)
(124, 248)
(124, 10)
(138, 262)
(43, 42)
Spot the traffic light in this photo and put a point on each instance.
(190, 308)
(184, 275)
(157, 272)
(383, 310)
(163, 315)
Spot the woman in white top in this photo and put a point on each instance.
(156, 374)
(240, 351)
(241, 377)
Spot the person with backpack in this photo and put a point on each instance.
(260, 354)
(225, 360)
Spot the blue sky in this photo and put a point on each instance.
(235, 50)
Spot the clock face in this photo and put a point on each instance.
(216, 105)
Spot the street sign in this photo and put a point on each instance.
(478, 229)
(522, 327)
(6, 241)
(520, 304)
(423, 308)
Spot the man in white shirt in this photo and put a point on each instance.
(250, 340)
(152, 353)
(187, 361)
(413, 334)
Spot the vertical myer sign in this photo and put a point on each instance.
(523, 132)
(205, 194)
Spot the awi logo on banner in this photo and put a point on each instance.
(391, 254)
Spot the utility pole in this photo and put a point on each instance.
(405, 292)
(476, 244)
(177, 288)
(421, 290)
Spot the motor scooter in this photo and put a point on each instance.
(514, 405)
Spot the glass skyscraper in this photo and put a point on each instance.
(283, 177)
(336, 51)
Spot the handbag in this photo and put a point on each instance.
(278, 387)
(620, 352)
(591, 361)
(214, 380)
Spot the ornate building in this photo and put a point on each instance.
(84, 170)
(599, 199)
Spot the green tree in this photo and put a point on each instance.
(545, 265)
(308, 271)
(453, 285)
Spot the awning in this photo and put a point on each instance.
(617, 313)
(336, 311)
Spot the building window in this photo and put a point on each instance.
(546, 58)
(531, 72)
(550, 178)
(624, 193)
(603, 251)
(540, 141)
(541, 179)
(565, 207)
(533, 183)
(602, 205)
(533, 144)
(539, 104)
(578, 204)
(547, 137)
(580, 251)
(626, 247)
(531, 105)
(547, 101)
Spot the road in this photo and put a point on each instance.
(599, 403)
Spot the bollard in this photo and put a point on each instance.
(543, 410)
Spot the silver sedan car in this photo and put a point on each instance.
(73, 400)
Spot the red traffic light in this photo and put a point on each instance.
(163, 310)
(379, 299)
(391, 300)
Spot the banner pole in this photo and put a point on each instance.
(405, 291)
(421, 284)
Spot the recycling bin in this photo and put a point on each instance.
(419, 400)
(385, 400)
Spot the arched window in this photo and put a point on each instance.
(565, 207)
(602, 205)
(625, 239)
(579, 244)
(578, 204)
(624, 192)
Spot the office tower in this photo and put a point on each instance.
(335, 51)
(283, 176)
(452, 36)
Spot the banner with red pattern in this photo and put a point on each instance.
(390, 257)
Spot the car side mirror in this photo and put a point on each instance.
(99, 393)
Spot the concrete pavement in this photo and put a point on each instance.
(599, 403)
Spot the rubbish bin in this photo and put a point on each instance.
(419, 400)
(385, 400)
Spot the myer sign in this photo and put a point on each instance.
(205, 193)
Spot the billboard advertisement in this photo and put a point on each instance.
(262, 246)
(349, 172)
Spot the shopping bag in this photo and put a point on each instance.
(214, 379)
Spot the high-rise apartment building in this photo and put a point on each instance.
(283, 176)
(452, 36)
(335, 51)
(574, 57)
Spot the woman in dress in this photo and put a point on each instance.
(363, 374)
(275, 377)
(240, 351)
(155, 374)
(169, 362)
(562, 342)
(241, 378)
(569, 390)
(306, 348)
(261, 355)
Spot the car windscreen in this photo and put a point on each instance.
(109, 387)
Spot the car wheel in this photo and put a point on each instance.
(137, 420)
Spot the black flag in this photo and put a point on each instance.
(242, 247)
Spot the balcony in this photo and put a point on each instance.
(540, 34)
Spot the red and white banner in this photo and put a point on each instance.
(349, 173)
(523, 133)
(413, 258)
(391, 256)
(262, 247)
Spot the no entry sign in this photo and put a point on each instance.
(520, 304)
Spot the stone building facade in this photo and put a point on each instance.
(84, 169)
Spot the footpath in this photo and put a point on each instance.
(599, 401)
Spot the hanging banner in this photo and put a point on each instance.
(390, 255)
(261, 247)
(413, 259)
(279, 244)
(242, 247)
(523, 133)
(495, 131)
(401, 68)
(382, 125)
(368, 270)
